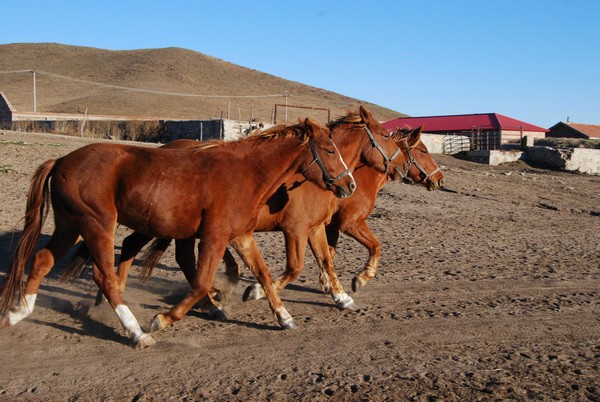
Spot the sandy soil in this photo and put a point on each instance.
(488, 291)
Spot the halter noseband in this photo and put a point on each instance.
(329, 181)
(411, 161)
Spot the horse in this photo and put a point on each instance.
(212, 192)
(351, 216)
(299, 211)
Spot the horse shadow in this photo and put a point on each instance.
(57, 298)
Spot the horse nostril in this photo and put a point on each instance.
(442, 182)
(353, 186)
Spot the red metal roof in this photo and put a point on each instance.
(462, 122)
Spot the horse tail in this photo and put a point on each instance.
(81, 260)
(151, 257)
(38, 203)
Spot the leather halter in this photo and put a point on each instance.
(374, 144)
(326, 176)
(411, 161)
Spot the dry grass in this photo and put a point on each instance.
(568, 143)
(169, 69)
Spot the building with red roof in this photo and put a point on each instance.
(486, 130)
(575, 130)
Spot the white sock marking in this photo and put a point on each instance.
(23, 310)
(342, 299)
(129, 322)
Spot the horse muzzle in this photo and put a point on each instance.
(344, 191)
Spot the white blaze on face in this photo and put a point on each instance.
(342, 160)
(25, 308)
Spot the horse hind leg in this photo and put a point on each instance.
(60, 242)
(295, 247)
(361, 233)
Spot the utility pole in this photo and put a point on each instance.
(34, 94)
(286, 103)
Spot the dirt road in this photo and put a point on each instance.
(488, 291)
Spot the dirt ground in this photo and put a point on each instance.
(487, 291)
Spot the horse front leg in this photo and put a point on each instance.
(210, 252)
(362, 234)
(250, 254)
(186, 259)
(295, 248)
(317, 240)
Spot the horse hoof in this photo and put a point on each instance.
(158, 323)
(253, 292)
(99, 298)
(217, 296)
(217, 315)
(287, 323)
(357, 283)
(144, 341)
(350, 306)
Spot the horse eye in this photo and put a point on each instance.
(330, 152)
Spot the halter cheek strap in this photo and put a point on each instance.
(326, 176)
(386, 160)
(411, 161)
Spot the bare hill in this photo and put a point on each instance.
(173, 70)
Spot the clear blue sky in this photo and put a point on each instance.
(534, 60)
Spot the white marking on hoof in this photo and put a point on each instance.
(345, 302)
(129, 322)
(23, 310)
(144, 341)
(254, 292)
(285, 319)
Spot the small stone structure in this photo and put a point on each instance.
(582, 160)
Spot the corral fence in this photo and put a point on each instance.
(473, 140)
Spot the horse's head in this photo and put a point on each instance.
(420, 168)
(361, 138)
(326, 166)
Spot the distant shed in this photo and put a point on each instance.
(574, 130)
(485, 130)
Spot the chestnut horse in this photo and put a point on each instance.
(211, 192)
(299, 211)
(351, 215)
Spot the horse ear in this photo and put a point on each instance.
(416, 135)
(365, 114)
(311, 126)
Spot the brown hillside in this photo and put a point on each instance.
(172, 70)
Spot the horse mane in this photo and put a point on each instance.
(297, 130)
(350, 118)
